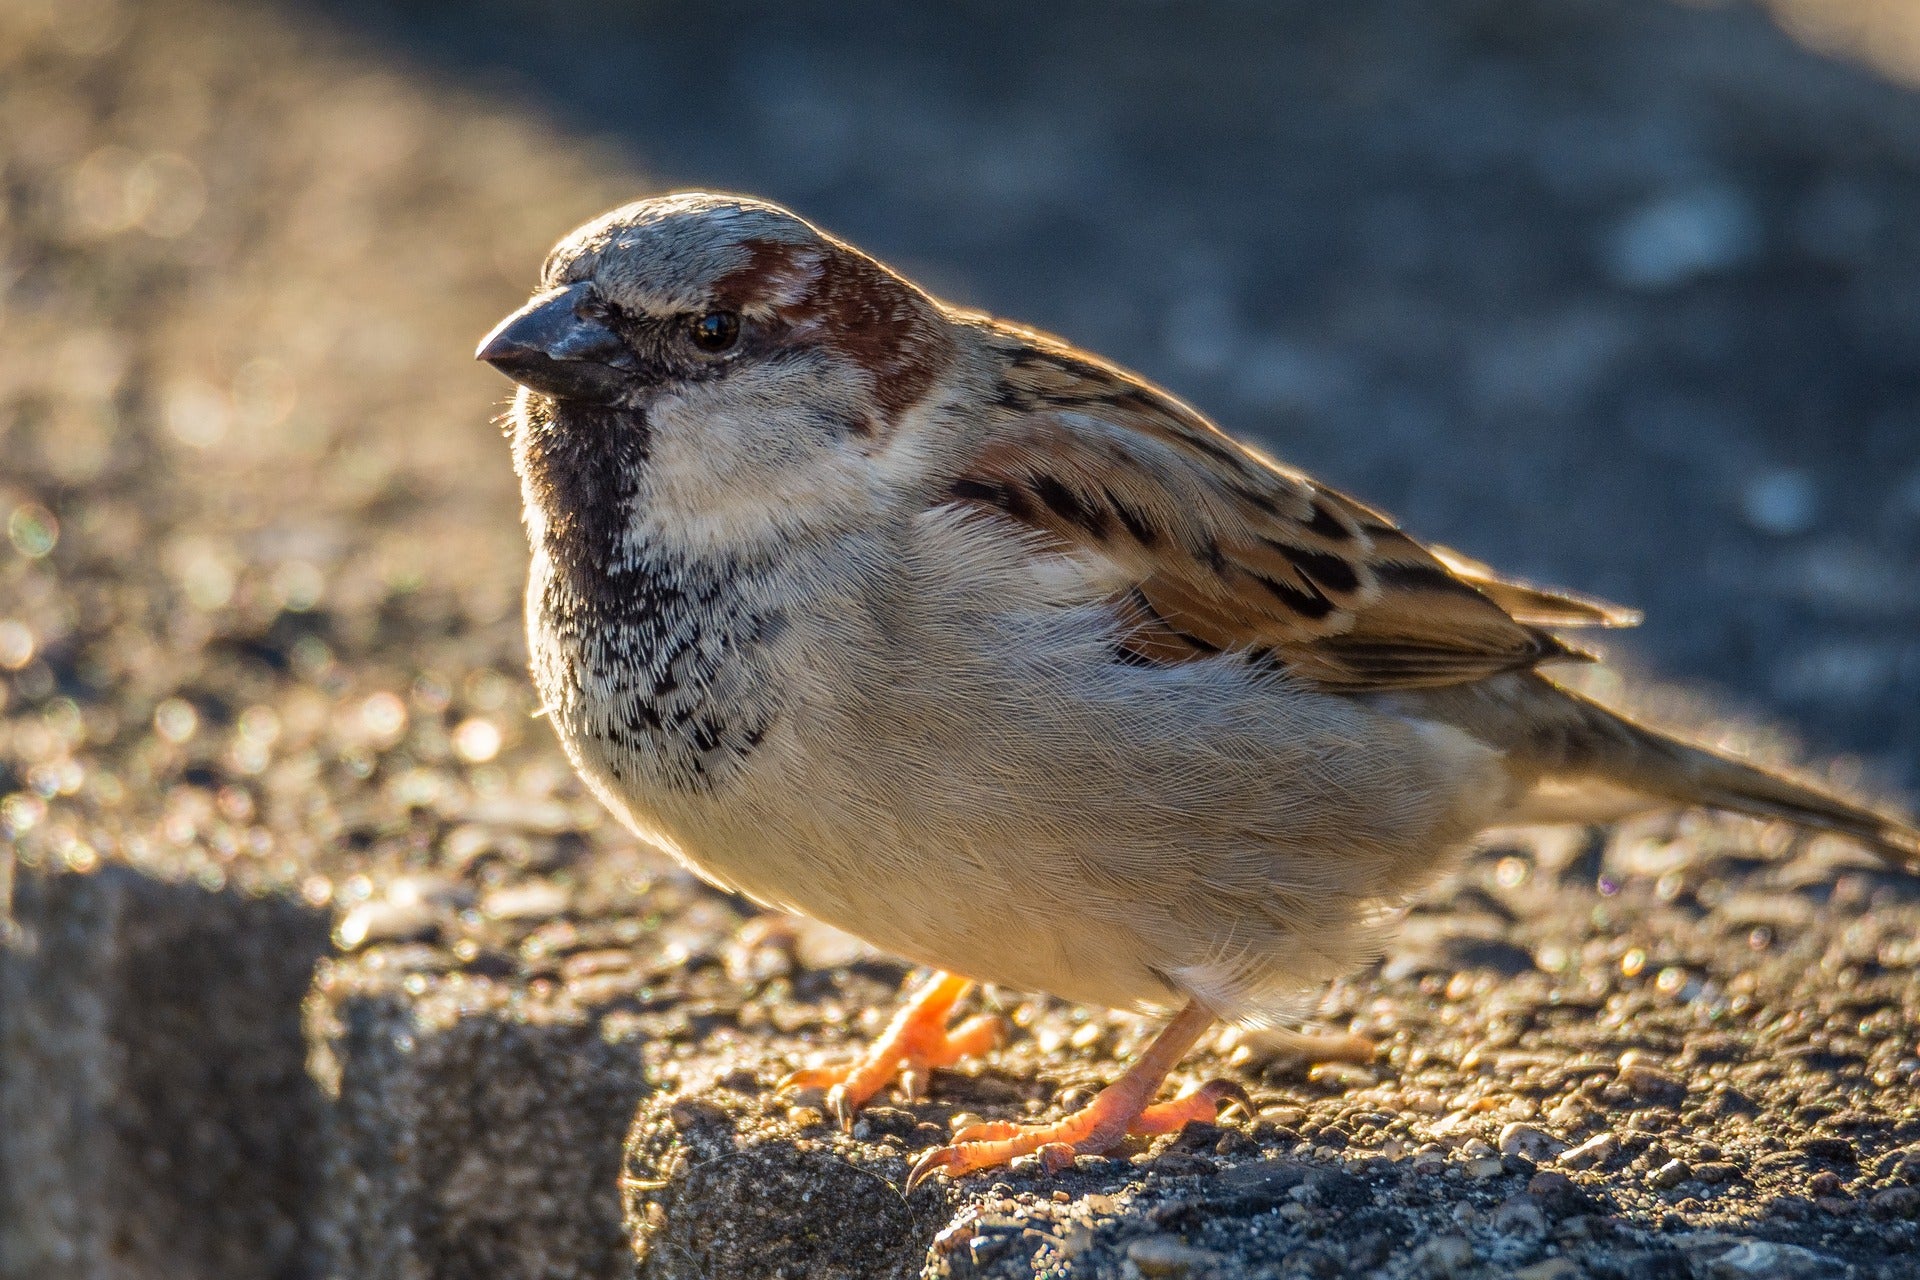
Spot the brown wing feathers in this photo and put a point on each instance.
(1226, 551)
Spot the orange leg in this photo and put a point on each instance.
(1117, 1110)
(916, 1041)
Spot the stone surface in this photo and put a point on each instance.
(722, 1177)
(478, 1091)
(487, 1146)
(156, 1117)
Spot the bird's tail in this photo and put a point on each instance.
(1622, 752)
(1578, 761)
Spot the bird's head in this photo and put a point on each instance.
(742, 353)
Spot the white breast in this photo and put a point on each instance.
(954, 767)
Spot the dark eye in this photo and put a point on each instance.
(715, 331)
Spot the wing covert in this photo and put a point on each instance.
(1225, 550)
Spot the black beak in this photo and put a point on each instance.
(551, 348)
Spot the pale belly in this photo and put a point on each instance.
(987, 792)
(1236, 851)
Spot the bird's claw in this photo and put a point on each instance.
(1229, 1095)
(1092, 1129)
(841, 1107)
(918, 1040)
(968, 1154)
(988, 1131)
(811, 1078)
(948, 1160)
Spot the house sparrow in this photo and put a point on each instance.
(937, 629)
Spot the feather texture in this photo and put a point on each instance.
(1219, 548)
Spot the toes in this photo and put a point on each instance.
(813, 1078)
(964, 1156)
(989, 1131)
(989, 1146)
(979, 1034)
(950, 1160)
(1203, 1103)
(841, 1107)
(1227, 1095)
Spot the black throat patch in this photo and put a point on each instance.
(648, 653)
(582, 466)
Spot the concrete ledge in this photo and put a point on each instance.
(156, 1117)
(1698, 1064)
(482, 1141)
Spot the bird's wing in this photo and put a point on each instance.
(1220, 549)
(1531, 603)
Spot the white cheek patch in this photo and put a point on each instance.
(735, 468)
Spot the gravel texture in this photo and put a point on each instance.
(317, 961)
(1664, 1055)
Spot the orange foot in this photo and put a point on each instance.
(915, 1042)
(1117, 1110)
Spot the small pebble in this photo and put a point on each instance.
(983, 1251)
(1766, 1260)
(1520, 1216)
(1557, 1194)
(1444, 1256)
(1669, 1175)
(1835, 1149)
(1598, 1149)
(1087, 1035)
(384, 920)
(1550, 1269)
(533, 900)
(1169, 1256)
(1341, 1077)
(1650, 1084)
(1538, 1145)
(1896, 1202)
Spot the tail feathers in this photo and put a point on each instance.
(1720, 783)
(1658, 765)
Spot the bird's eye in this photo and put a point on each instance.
(715, 331)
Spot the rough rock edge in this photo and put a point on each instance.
(156, 1118)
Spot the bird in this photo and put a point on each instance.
(975, 645)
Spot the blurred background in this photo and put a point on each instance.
(1622, 295)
